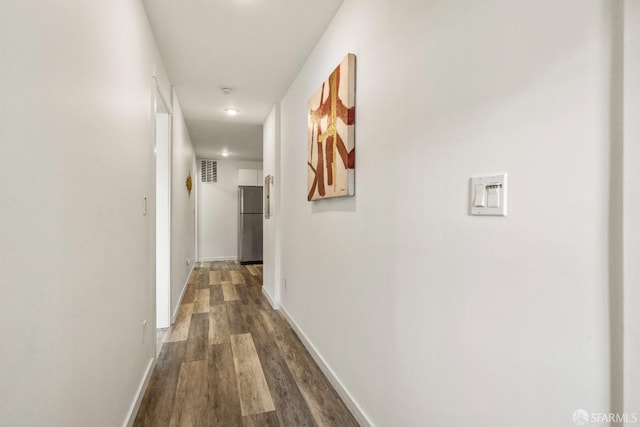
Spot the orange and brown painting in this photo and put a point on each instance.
(331, 146)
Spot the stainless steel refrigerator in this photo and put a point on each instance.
(249, 224)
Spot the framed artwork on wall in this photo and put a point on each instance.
(331, 135)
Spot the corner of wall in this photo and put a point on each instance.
(135, 405)
(272, 301)
(176, 309)
(349, 400)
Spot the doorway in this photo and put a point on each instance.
(163, 213)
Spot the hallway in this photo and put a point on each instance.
(231, 360)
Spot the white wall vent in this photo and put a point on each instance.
(209, 169)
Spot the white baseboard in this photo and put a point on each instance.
(351, 403)
(184, 289)
(269, 298)
(142, 387)
(219, 258)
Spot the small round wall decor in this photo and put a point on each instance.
(189, 184)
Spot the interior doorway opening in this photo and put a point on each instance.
(163, 213)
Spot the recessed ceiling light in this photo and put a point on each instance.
(225, 154)
(226, 90)
(231, 111)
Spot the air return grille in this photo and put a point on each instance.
(209, 170)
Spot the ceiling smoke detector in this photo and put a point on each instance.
(226, 90)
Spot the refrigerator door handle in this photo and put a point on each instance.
(241, 194)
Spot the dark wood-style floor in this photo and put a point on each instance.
(231, 360)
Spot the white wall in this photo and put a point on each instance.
(271, 238)
(183, 207)
(76, 252)
(429, 316)
(631, 204)
(218, 212)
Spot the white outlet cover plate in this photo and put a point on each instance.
(500, 179)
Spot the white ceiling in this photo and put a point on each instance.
(255, 47)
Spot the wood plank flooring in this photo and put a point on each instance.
(231, 360)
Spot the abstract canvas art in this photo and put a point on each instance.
(331, 145)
